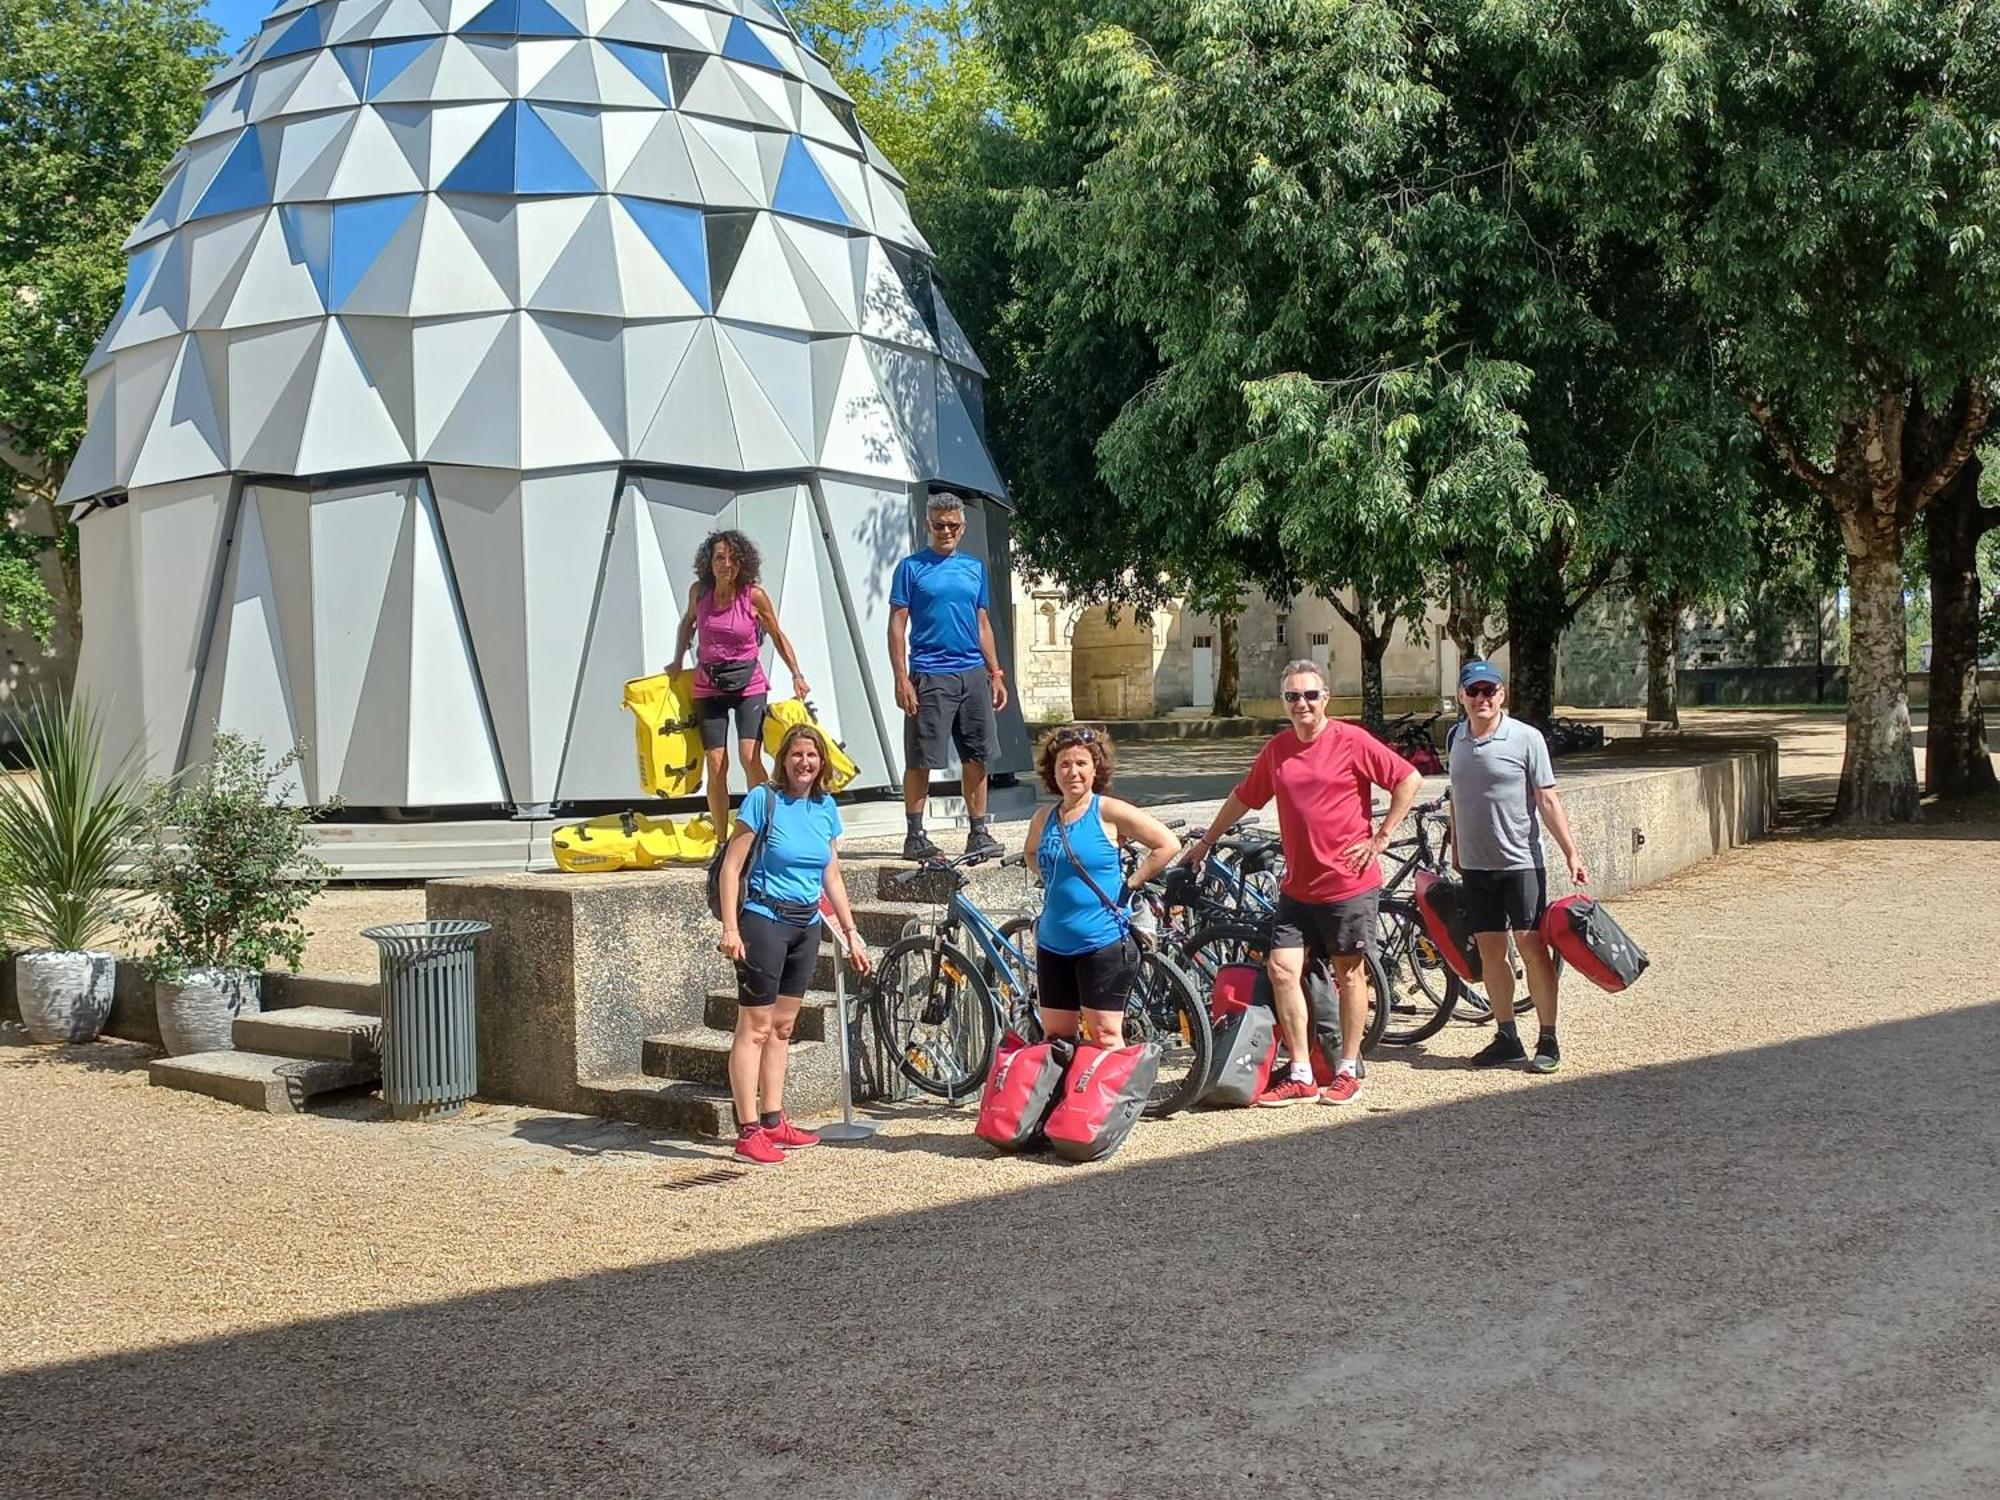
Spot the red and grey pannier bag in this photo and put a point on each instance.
(1246, 1037)
(1441, 903)
(1020, 1091)
(1102, 1096)
(1322, 1017)
(1593, 944)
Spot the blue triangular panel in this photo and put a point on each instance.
(743, 45)
(360, 230)
(676, 232)
(802, 189)
(309, 242)
(170, 199)
(302, 36)
(240, 184)
(136, 271)
(489, 166)
(390, 59)
(354, 63)
(542, 163)
(646, 65)
(501, 18)
(521, 18)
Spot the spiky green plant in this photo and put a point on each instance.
(66, 831)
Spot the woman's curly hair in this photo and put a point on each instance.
(1072, 737)
(749, 561)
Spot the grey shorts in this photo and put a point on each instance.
(1324, 928)
(714, 716)
(953, 708)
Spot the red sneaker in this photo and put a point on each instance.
(1344, 1087)
(755, 1144)
(1291, 1091)
(788, 1135)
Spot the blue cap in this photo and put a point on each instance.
(1477, 670)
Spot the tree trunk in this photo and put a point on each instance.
(1535, 606)
(1663, 655)
(1956, 760)
(1226, 674)
(1374, 712)
(1878, 779)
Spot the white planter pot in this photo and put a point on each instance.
(65, 996)
(198, 1012)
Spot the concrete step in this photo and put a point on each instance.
(876, 880)
(685, 1108)
(311, 1031)
(353, 992)
(260, 1080)
(882, 922)
(812, 1081)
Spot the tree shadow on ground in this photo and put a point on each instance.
(19, 1050)
(1768, 1270)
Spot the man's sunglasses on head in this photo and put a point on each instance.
(1304, 695)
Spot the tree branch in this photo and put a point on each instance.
(1599, 576)
(1978, 408)
(1817, 479)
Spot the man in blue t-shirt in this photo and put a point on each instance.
(949, 683)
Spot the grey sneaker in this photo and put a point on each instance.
(1548, 1056)
(982, 843)
(918, 847)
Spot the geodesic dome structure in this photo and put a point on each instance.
(455, 327)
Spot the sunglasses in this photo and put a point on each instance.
(1305, 695)
(947, 528)
(1070, 737)
(1482, 690)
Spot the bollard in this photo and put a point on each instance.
(430, 1042)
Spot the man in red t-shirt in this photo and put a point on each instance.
(1323, 774)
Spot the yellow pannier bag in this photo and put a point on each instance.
(783, 715)
(669, 734)
(697, 838)
(617, 841)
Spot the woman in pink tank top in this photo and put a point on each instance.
(728, 615)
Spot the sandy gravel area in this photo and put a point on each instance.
(1744, 1244)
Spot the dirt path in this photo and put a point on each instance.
(1744, 1244)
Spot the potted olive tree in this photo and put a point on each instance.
(67, 831)
(231, 880)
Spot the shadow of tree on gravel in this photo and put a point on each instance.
(1770, 1270)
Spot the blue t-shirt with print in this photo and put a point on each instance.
(944, 596)
(796, 855)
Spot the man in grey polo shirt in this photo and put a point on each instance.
(1503, 790)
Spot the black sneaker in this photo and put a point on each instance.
(982, 843)
(1548, 1056)
(1503, 1049)
(918, 846)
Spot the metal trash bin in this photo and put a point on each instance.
(430, 1042)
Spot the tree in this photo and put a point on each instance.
(1957, 762)
(1820, 179)
(95, 96)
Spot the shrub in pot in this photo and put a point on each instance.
(67, 830)
(227, 865)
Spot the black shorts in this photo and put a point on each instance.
(778, 958)
(953, 708)
(1324, 928)
(1497, 900)
(1099, 980)
(714, 716)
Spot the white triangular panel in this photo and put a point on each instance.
(451, 753)
(347, 425)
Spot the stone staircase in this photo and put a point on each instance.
(683, 1081)
(317, 1035)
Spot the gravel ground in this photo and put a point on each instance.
(1744, 1244)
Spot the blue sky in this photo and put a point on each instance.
(238, 19)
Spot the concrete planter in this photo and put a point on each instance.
(198, 1012)
(65, 996)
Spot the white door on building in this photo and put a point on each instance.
(1202, 677)
(1322, 653)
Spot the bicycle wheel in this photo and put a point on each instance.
(1222, 943)
(935, 1015)
(1423, 992)
(1016, 1009)
(1167, 1010)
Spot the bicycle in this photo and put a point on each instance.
(941, 1007)
(1249, 942)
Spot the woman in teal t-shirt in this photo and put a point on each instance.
(771, 931)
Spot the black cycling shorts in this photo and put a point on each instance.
(1324, 928)
(1499, 900)
(713, 715)
(778, 958)
(1101, 979)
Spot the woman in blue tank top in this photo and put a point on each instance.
(1085, 957)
